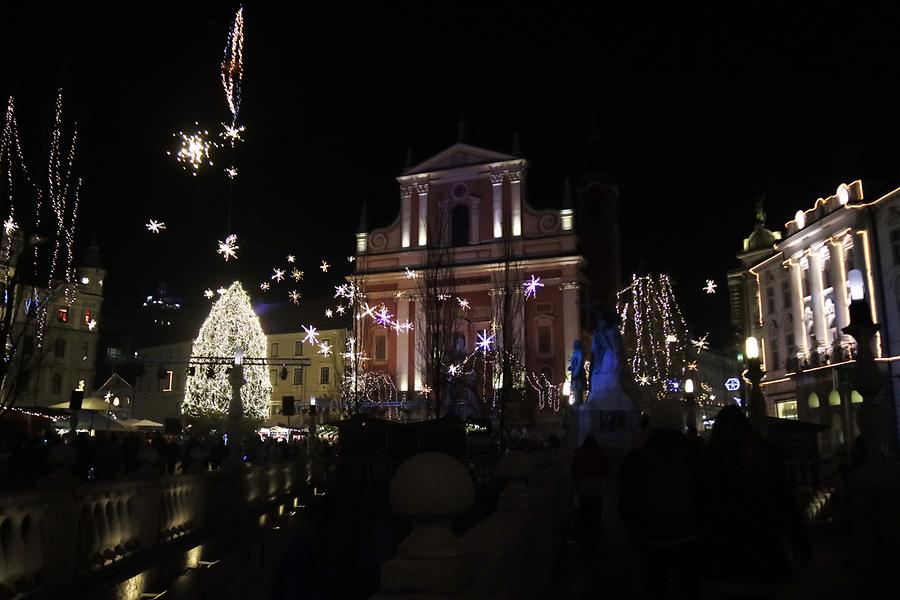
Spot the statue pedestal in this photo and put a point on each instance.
(610, 416)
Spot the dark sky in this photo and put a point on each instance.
(700, 112)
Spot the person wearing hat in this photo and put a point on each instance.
(659, 501)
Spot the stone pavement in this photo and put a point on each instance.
(610, 569)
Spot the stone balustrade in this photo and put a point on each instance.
(512, 553)
(53, 539)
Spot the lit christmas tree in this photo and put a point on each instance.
(655, 335)
(231, 324)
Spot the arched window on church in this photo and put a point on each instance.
(459, 225)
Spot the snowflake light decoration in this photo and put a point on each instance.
(383, 316)
(644, 380)
(231, 172)
(692, 365)
(351, 259)
(340, 309)
(209, 294)
(264, 286)
(463, 303)
(411, 274)
(9, 225)
(484, 341)
(701, 344)
(312, 336)
(294, 296)
(453, 369)
(325, 349)
(228, 248)
(155, 226)
(367, 310)
(297, 274)
(530, 287)
(329, 313)
(291, 258)
(221, 291)
(91, 325)
(710, 287)
(443, 296)
(671, 339)
(324, 266)
(279, 274)
(232, 133)
(425, 391)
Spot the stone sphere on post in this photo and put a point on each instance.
(432, 487)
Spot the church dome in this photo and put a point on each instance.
(761, 238)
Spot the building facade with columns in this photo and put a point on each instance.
(480, 198)
(799, 298)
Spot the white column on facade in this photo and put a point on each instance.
(820, 327)
(515, 195)
(422, 190)
(839, 283)
(474, 221)
(405, 215)
(497, 196)
(418, 329)
(571, 321)
(800, 339)
(403, 346)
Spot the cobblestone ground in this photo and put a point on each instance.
(609, 568)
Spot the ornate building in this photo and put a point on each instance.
(472, 204)
(794, 297)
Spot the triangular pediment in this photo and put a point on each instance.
(115, 383)
(459, 155)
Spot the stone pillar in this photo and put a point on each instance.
(235, 411)
(403, 346)
(497, 196)
(422, 189)
(800, 339)
(839, 284)
(405, 215)
(430, 488)
(515, 194)
(571, 315)
(820, 327)
(474, 221)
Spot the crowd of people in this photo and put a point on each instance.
(28, 463)
(720, 506)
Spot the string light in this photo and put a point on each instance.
(329, 313)
(411, 274)
(291, 258)
(155, 226)
(233, 65)
(228, 248)
(231, 324)
(325, 349)
(9, 226)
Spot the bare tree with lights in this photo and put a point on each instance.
(509, 336)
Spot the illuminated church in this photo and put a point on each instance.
(474, 203)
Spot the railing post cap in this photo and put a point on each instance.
(432, 484)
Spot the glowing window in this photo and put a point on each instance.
(787, 409)
(167, 387)
(62, 315)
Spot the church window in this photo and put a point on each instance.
(459, 225)
(895, 245)
(545, 345)
(87, 316)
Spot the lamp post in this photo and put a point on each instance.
(235, 410)
(312, 424)
(690, 404)
(753, 375)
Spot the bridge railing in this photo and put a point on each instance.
(50, 539)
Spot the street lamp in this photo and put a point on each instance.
(690, 403)
(312, 423)
(753, 375)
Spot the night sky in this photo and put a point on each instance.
(699, 112)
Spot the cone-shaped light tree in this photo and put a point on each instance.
(231, 324)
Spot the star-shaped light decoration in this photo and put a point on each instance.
(400, 295)
(232, 133)
(411, 274)
(671, 339)
(340, 309)
(443, 296)
(644, 380)
(329, 313)
(231, 172)
(368, 311)
(209, 293)
(9, 225)
(453, 369)
(221, 291)
(155, 226)
(107, 397)
(291, 258)
(312, 336)
(351, 259)
(324, 266)
(484, 341)
(228, 248)
(279, 274)
(294, 296)
(405, 326)
(297, 274)
(692, 365)
(463, 303)
(325, 349)
(264, 286)
(425, 391)
(383, 316)
(701, 344)
(530, 287)
(91, 325)
(710, 287)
